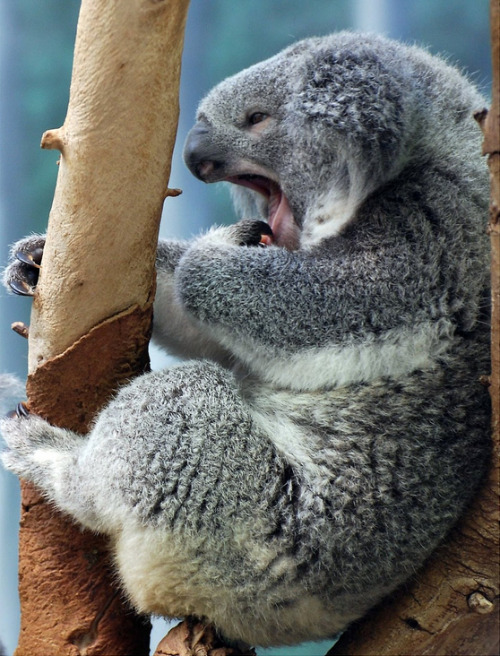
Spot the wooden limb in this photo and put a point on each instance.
(116, 145)
(452, 607)
(92, 310)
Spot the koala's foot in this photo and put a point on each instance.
(36, 451)
(21, 274)
(21, 410)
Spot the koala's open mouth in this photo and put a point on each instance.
(279, 214)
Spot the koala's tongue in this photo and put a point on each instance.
(280, 218)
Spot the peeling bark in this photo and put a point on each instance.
(91, 369)
(451, 608)
(92, 310)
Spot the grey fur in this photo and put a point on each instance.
(330, 427)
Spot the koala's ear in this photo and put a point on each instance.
(356, 97)
(322, 97)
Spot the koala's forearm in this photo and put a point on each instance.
(245, 293)
(172, 328)
(175, 331)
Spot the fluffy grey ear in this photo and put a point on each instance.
(11, 392)
(355, 94)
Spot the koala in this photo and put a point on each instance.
(327, 427)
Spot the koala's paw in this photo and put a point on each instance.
(22, 436)
(21, 274)
(35, 449)
(250, 232)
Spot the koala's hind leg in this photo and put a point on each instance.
(156, 453)
(172, 440)
(45, 455)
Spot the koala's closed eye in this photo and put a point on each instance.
(257, 119)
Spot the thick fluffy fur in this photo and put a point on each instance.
(329, 427)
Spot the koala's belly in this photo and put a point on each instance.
(162, 575)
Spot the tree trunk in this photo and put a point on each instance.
(452, 607)
(92, 310)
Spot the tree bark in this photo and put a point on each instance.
(92, 309)
(194, 638)
(451, 609)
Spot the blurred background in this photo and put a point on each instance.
(222, 37)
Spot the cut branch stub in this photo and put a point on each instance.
(53, 140)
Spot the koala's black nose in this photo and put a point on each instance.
(200, 154)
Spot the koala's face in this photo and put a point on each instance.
(299, 135)
(241, 137)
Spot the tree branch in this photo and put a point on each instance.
(92, 310)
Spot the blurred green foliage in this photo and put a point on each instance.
(39, 70)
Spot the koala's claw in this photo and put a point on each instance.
(32, 258)
(21, 288)
(21, 410)
(21, 274)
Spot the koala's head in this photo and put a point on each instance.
(308, 134)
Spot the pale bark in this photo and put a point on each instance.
(451, 609)
(116, 145)
(92, 310)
